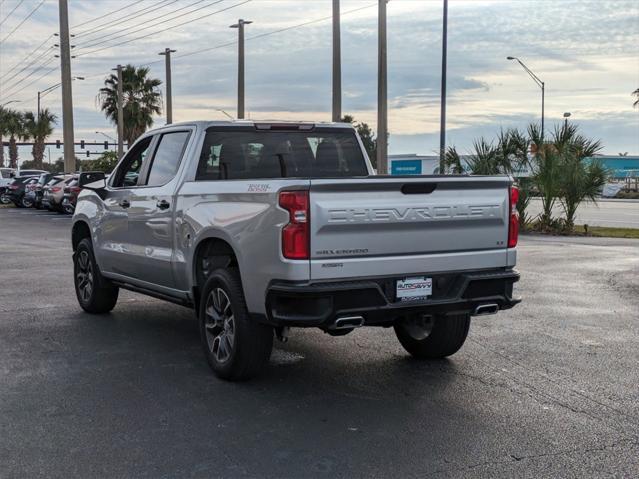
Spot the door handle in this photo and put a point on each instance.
(163, 204)
(125, 204)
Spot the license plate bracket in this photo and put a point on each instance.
(411, 289)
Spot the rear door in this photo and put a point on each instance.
(386, 225)
(150, 216)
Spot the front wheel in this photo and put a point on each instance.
(26, 202)
(235, 346)
(95, 293)
(433, 337)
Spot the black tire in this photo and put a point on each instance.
(95, 293)
(235, 346)
(26, 202)
(442, 335)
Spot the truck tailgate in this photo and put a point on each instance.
(398, 225)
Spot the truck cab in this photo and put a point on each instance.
(262, 227)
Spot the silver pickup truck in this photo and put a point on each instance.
(260, 227)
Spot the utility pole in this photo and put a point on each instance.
(442, 117)
(120, 114)
(169, 99)
(240, 65)
(38, 110)
(337, 64)
(67, 95)
(382, 93)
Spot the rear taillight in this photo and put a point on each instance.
(13, 187)
(295, 235)
(55, 189)
(513, 225)
(75, 189)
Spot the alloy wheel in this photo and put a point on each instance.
(219, 325)
(84, 275)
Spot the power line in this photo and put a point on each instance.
(266, 34)
(19, 84)
(11, 12)
(20, 24)
(27, 57)
(107, 14)
(125, 18)
(91, 45)
(165, 29)
(15, 82)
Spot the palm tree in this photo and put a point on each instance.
(39, 129)
(452, 162)
(545, 168)
(15, 129)
(142, 99)
(581, 179)
(3, 131)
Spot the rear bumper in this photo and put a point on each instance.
(320, 304)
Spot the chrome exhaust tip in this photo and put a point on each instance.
(485, 309)
(348, 322)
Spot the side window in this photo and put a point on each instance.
(166, 160)
(129, 170)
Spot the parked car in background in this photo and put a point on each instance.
(6, 177)
(29, 172)
(35, 193)
(46, 190)
(28, 199)
(73, 188)
(16, 190)
(54, 194)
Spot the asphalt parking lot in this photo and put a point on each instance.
(548, 389)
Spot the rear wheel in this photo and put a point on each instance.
(433, 337)
(26, 202)
(95, 293)
(235, 346)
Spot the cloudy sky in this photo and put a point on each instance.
(584, 50)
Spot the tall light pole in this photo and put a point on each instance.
(120, 113)
(169, 99)
(337, 64)
(442, 116)
(67, 95)
(382, 92)
(240, 65)
(539, 83)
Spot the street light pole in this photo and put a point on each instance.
(169, 98)
(442, 117)
(48, 90)
(240, 65)
(540, 84)
(337, 64)
(382, 93)
(67, 95)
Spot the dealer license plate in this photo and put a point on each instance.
(414, 288)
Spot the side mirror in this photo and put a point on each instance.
(92, 180)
